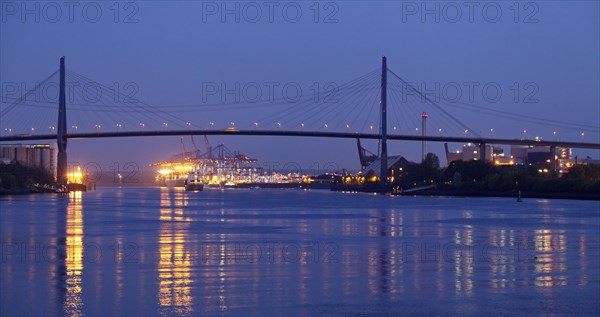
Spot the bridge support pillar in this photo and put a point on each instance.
(553, 164)
(61, 140)
(482, 151)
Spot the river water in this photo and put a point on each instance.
(167, 252)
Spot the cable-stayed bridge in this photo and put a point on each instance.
(378, 105)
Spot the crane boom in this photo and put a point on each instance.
(365, 156)
(208, 147)
(183, 148)
(194, 145)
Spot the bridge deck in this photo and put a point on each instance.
(342, 135)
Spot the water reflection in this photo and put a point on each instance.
(551, 248)
(73, 303)
(583, 260)
(204, 256)
(464, 258)
(174, 266)
(503, 265)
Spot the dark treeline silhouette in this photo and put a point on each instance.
(16, 177)
(477, 175)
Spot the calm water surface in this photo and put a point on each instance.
(166, 252)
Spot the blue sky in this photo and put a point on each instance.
(172, 48)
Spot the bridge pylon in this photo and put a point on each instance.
(384, 154)
(61, 131)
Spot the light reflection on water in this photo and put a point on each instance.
(73, 303)
(167, 252)
(174, 266)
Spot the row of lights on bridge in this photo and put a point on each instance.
(279, 125)
(212, 124)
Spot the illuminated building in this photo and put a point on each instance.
(470, 151)
(217, 166)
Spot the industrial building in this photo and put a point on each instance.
(37, 155)
(520, 155)
(470, 151)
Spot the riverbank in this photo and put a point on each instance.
(24, 191)
(477, 193)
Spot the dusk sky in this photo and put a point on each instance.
(171, 50)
